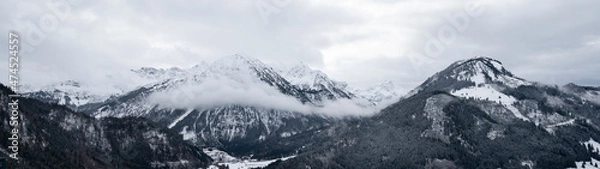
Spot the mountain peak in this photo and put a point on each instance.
(237, 62)
(385, 92)
(481, 59)
(73, 83)
(240, 57)
(480, 70)
(387, 85)
(475, 71)
(489, 67)
(306, 77)
(302, 70)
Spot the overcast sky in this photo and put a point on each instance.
(362, 42)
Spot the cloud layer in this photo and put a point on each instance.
(245, 90)
(359, 41)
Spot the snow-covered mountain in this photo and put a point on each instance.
(471, 72)
(235, 103)
(236, 99)
(159, 74)
(53, 136)
(73, 94)
(154, 75)
(315, 81)
(473, 114)
(384, 93)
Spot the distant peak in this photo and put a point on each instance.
(472, 72)
(301, 70)
(480, 64)
(175, 69)
(300, 67)
(73, 83)
(483, 60)
(241, 56)
(387, 84)
(146, 69)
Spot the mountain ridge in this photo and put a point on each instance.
(473, 114)
(53, 136)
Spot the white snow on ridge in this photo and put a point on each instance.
(487, 92)
(593, 163)
(587, 164)
(180, 118)
(550, 128)
(383, 94)
(594, 144)
(478, 75)
(479, 78)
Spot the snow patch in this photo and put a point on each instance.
(220, 156)
(223, 158)
(550, 128)
(528, 163)
(382, 94)
(187, 134)
(488, 93)
(180, 118)
(495, 134)
(593, 144)
(248, 164)
(287, 134)
(592, 164)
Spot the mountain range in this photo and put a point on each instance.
(54, 136)
(473, 114)
(235, 103)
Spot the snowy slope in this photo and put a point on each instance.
(249, 164)
(476, 112)
(384, 93)
(241, 80)
(309, 79)
(489, 93)
(235, 100)
(479, 78)
(471, 72)
(73, 139)
(159, 74)
(485, 70)
(593, 144)
(73, 93)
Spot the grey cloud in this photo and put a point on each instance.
(362, 42)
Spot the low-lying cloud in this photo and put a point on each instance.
(245, 91)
